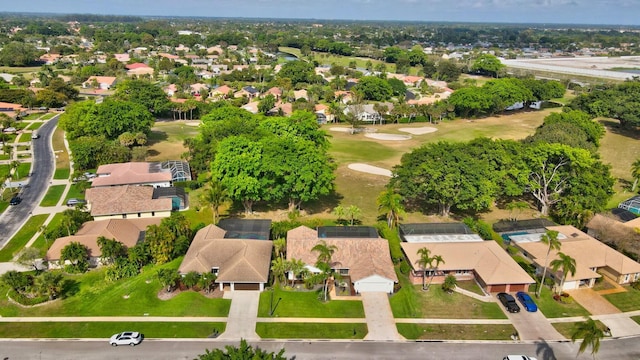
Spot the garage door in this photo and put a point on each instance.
(497, 288)
(518, 287)
(247, 286)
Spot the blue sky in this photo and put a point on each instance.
(614, 12)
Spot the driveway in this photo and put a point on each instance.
(241, 323)
(593, 302)
(531, 325)
(380, 321)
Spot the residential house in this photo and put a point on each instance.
(197, 89)
(129, 232)
(170, 89)
(125, 57)
(593, 258)
(283, 108)
(221, 92)
(132, 173)
(275, 91)
(364, 113)
(127, 201)
(437, 232)
(50, 59)
(300, 94)
(102, 82)
(251, 107)
(240, 260)
(139, 69)
(362, 258)
(248, 91)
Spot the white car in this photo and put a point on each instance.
(126, 338)
(518, 357)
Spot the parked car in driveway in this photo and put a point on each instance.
(518, 357)
(74, 202)
(509, 302)
(131, 338)
(527, 301)
(15, 200)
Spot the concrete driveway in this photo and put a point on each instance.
(593, 302)
(531, 325)
(380, 321)
(241, 323)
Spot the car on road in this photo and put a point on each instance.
(15, 200)
(518, 357)
(34, 135)
(527, 301)
(131, 338)
(74, 202)
(509, 302)
(89, 175)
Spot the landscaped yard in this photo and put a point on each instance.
(35, 125)
(470, 285)
(53, 195)
(625, 301)
(41, 243)
(22, 171)
(565, 329)
(24, 137)
(166, 138)
(62, 156)
(307, 304)
(88, 329)
(48, 116)
(619, 148)
(456, 331)
(311, 330)
(554, 309)
(90, 295)
(74, 193)
(22, 237)
(412, 302)
(33, 116)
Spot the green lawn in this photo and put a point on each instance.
(24, 137)
(166, 140)
(62, 174)
(554, 309)
(62, 155)
(311, 331)
(20, 70)
(625, 301)
(307, 304)
(619, 148)
(22, 172)
(53, 195)
(20, 239)
(48, 116)
(636, 319)
(33, 116)
(565, 329)
(412, 302)
(470, 285)
(41, 243)
(74, 193)
(106, 329)
(455, 331)
(90, 295)
(5, 169)
(35, 125)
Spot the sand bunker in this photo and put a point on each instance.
(341, 129)
(383, 136)
(419, 130)
(370, 169)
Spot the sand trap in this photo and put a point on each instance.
(341, 129)
(419, 130)
(193, 123)
(383, 136)
(370, 169)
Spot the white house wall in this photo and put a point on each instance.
(373, 283)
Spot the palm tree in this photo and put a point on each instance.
(438, 260)
(214, 195)
(590, 333)
(339, 211)
(15, 164)
(50, 284)
(425, 262)
(390, 204)
(567, 264)
(279, 267)
(297, 268)
(550, 238)
(325, 262)
(279, 246)
(354, 213)
(635, 173)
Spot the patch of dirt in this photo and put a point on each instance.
(213, 294)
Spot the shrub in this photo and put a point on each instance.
(404, 268)
(27, 300)
(512, 250)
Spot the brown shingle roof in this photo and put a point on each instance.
(492, 264)
(363, 257)
(125, 199)
(238, 260)
(130, 173)
(126, 231)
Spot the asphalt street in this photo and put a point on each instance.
(619, 349)
(41, 172)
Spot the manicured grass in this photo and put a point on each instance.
(22, 172)
(90, 295)
(48, 116)
(24, 137)
(619, 148)
(62, 174)
(20, 70)
(470, 285)
(625, 301)
(290, 50)
(5, 169)
(74, 193)
(412, 302)
(307, 304)
(361, 62)
(565, 329)
(35, 125)
(456, 331)
(636, 319)
(554, 309)
(33, 116)
(41, 243)
(62, 156)
(166, 140)
(21, 238)
(53, 195)
(311, 331)
(106, 329)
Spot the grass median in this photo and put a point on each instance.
(22, 237)
(456, 331)
(625, 301)
(311, 330)
(88, 329)
(555, 309)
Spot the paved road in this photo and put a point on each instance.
(42, 171)
(622, 349)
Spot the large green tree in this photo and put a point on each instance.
(18, 53)
(487, 64)
(374, 88)
(145, 93)
(245, 351)
(566, 264)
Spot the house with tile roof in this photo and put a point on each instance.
(133, 173)
(362, 258)
(126, 202)
(594, 259)
(239, 264)
(129, 232)
(103, 82)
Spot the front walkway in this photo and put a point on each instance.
(380, 321)
(241, 323)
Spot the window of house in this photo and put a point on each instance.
(215, 270)
(124, 216)
(344, 272)
(153, 213)
(139, 215)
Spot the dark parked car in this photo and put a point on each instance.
(527, 301)
(15, 200)
(509, 302)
